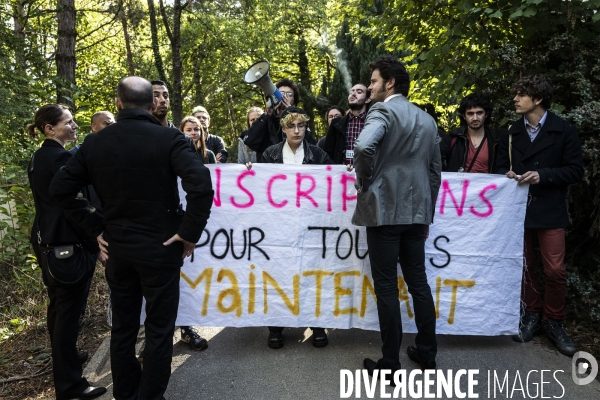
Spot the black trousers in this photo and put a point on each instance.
(389, 244)
(63, 326)
(128, 282)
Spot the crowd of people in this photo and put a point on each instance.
(120, 204)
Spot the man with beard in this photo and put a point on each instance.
(342, 133)
(213, 142)
(398, 176)
(473, 146)
(161, 93)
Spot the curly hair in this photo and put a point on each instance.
(475, 100)
(538, 87)
(291, 117)
(390, 67)
(290, 83)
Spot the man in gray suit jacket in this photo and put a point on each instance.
(398, 170)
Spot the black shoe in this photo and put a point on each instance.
(82, 356)
(530, 326)
(320, 337)
(91, 393)
(275, 340)
(371, 366)
(191, 337)
(556, 333)
(413, 354)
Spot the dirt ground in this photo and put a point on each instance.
(25, 358)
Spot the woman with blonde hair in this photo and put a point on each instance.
(191, 126)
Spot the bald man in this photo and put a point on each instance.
(101, 120)
(143, 232)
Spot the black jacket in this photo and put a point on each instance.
(312, 154)
(335, 140)
(556, 155)
(454, 156)
(216, 145)
(266, 131)
(134, 165)
(50, 220)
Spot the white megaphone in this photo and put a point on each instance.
(258, 74)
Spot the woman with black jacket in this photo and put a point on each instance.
(51, 228)
(294, 150)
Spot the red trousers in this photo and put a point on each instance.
(552, 249)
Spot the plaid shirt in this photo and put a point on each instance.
(355, 126)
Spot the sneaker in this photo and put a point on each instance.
(191, 337)
(530, 326)
(556, 333)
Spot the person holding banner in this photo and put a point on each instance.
(294, 150)
(398, 175)
(542, 150)
(473, 146)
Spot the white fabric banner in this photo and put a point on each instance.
(279, 250)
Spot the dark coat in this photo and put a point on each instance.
(335, 140)
(134, 165)
(454, 156)
(50, 219)
(266, 131)
(556, 155)
(312, 154)
(216, 145)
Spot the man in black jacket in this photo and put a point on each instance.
(213, 142)
(134, 165)
(473, 146)
(339, 142)
(542, 150)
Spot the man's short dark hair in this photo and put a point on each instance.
(136, 94)
(472, 101)
(535, 86)
(290, 83)
(390, 67)
(158, 83)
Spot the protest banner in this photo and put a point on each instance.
(279, 249)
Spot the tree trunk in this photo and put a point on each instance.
(158, 62)
(65, 52)
(20, 20)
(174, 36)
(130, 64)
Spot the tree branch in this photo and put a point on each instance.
(163, 13)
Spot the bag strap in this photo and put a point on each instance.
(510, 150)
(453, 142)
(476, 154)
(36, 222)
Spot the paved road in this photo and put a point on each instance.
(238, 364)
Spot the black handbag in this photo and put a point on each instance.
(64, 266)
(67, 265)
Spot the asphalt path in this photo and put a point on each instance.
(238, 364)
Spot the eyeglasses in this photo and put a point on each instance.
(299, 126)
(332, 116)
(288, 94)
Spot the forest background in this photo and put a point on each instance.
(75, 51)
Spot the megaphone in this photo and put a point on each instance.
(258, 74)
